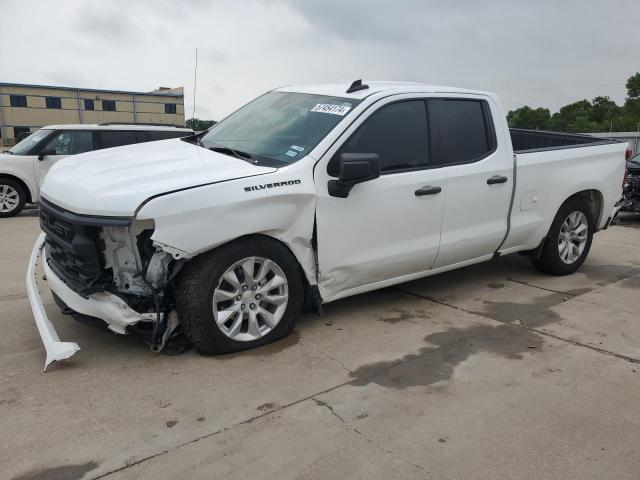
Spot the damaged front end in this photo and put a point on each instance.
(107, 268)
(631, 192)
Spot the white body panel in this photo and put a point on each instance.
(154, 168)
(546, 179)
(380, 235)
(23, 168)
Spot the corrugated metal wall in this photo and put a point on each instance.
(632, 137)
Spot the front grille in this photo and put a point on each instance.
(73, 244)
(71, 251)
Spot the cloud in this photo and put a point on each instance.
(105, 24)
(542, 53)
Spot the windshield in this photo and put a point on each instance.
(278, 127)
(25, 146)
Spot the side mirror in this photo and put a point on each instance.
(354, 168)
(45, 152)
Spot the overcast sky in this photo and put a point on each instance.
(535, 52)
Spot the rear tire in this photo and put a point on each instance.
(12, 198)
(569, 239)
(223, 309)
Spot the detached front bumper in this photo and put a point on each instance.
(103, 305)
(56, 350)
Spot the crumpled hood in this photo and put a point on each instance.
(115, 181)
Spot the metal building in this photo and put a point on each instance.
(25, 108)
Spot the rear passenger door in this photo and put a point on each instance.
(478, 169)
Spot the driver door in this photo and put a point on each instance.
(63, 143)
(387, 229)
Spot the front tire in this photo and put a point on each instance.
(239, 296)
(569, 239)
(12, 198)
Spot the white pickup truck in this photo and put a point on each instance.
(306, 195)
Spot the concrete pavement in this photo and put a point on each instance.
(493, 371)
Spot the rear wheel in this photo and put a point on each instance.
(569, 239)
(240, 296)
(12, 198)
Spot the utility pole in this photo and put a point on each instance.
(195, 81)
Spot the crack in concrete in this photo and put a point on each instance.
(574, 295)
(522, 282)
(14, 296)
(372, 373)
(353, 429)
(221, 430)
(325, 354)
(524, 325)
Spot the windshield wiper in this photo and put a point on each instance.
(235, 153)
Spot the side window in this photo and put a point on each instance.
(165, 134)
(396, 132)
(18, 100)
(53, 102)
(109, 105)
(169, 108)
(114, 138)
(71, 143)
(459, 131)
(88, 104)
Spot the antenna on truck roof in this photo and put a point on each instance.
(356, 86)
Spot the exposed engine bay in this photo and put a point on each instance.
(114, 260)
(631, 191)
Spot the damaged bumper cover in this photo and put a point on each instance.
(103, 305)
(612, 214)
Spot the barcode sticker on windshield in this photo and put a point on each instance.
(331, 108)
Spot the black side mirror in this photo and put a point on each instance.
(45, 152)
(354, 168)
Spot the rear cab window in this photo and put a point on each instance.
(460, 130)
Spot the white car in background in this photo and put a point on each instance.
(23, 167)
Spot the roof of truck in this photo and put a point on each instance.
(115, 126)
(340, 89)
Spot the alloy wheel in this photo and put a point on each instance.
(250, 299)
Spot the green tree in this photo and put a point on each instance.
(527, 117)
(574, 117)
(633, 86)
(198, 125)
(600, 115)
(604, 110)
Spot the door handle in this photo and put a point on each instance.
(496, 179)
(427, 190)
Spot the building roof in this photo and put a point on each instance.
(160, 93)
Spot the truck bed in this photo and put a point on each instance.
(540, 140)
